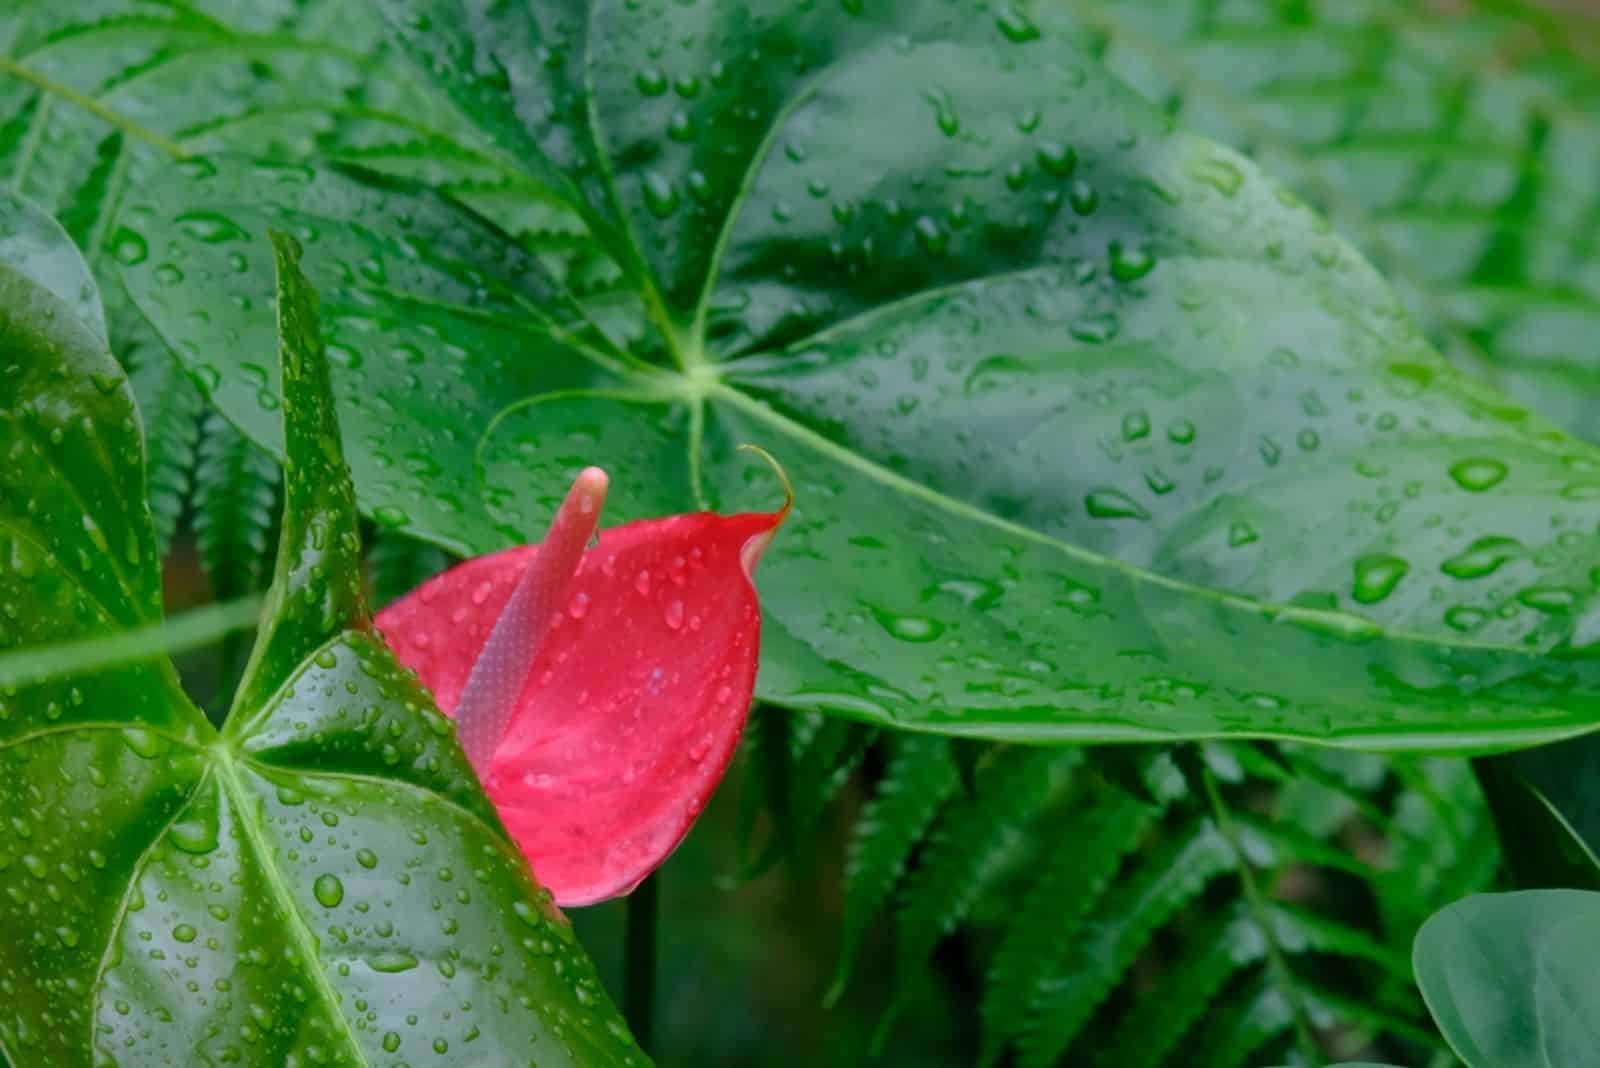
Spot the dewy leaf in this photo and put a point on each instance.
(324, 882)
(1455, 143)
(96, 94)
(425, 305)
(1077, 404)
(601, 694)
(1510, 977)
(36, 245)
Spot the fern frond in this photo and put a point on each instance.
(235, 501)
(172, 409)
(1170, 878)
(921, 776)
(801, 763)
(1180, 997)
(1082, 859)
(972, 842)
(1237, 1030)
(1121, 917)
(821, 768)
(399, 564)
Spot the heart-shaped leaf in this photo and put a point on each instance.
(1510, 977)
(1077, 405)
(323, 882)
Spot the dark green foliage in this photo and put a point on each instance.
(1124, 909)
(235, 501)
(173, 411)
(398, 564)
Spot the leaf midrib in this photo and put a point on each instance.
(299, 930)
(955, 506)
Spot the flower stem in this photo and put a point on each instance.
(639, 955)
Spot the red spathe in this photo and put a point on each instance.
(636, 698)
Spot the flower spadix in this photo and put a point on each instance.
(599, 692)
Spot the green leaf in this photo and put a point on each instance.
(1545, 808)
(35, 244)
(1075, 404)
(291, 869)
(1509, 977)
(1474, 196)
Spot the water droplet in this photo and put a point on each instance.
(392, 961)
(1107, 503)
(578, 607)
(1130, 264)
(1555, 600)
(1057, 159)
(390, 516)
(1477, 475)
(328, 890)
(659, 196)
(914, 629)
(185, 933)
(210, 227)
(129, 247)
(674, 614)
(1096, 329)
(651, 82)
(195, 835)
(1483, 557)
(1015, 25)
(1376, 577)
(366, 858)
(1135, 425)
(1220, 174)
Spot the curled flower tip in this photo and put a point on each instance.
(502, 668)
(750, 555)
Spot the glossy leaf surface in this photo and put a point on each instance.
(322, 883)
(1510, 977)
(1076, 404)
(1456, 145)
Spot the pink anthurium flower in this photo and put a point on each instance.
(598, 692)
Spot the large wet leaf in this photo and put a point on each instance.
(95, 95)
(1510, 977)
(1077, 405)
(1455, 143)
(322, 883)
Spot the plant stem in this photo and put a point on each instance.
(1304, 1040)
(639, 958)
